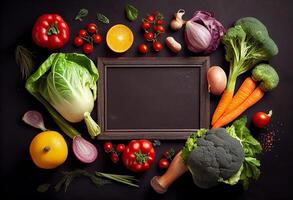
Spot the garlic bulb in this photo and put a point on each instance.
(178, 22)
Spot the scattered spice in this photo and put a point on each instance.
(267, 141)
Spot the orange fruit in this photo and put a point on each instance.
(48, 149)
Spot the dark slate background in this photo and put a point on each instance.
(19, 177)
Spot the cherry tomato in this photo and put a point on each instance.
(114, 157)
(97, 38)
(82, 33)
(164, 163)
(149, 36)
(160, 29)
(120, 148)
(108, 146)
(160, 22)
(78, 41)
(157, 46)
(92, 28)
(150, 18)
(261, 119)
(87, 48)
(145, 25)
(155, 28)
(143, 48)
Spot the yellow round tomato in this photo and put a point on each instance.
(48, 149)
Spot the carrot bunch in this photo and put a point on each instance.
(249, 93)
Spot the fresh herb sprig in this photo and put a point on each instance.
(102, 18)
(81, 14)
(25, 59)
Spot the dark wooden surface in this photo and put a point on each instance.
(19, 177)
(152, 98)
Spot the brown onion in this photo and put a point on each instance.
(217, 80)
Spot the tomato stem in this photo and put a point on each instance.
(270, 113)
(53, 29)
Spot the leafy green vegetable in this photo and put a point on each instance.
(81, 14)
(67, 81)
(102, 18)
(191, 143)
(131, 12)
(251, 149)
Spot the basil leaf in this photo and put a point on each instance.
(102, 18)
(43, 187)
(131, 12)
(82, 13)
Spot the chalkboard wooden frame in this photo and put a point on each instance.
(202, 63)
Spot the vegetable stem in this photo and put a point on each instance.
(119, 178)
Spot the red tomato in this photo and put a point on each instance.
(150, 18)
(114, 157)
(155, 28)
(97, 38)
(143, 48)
(157, 46)
(138, 155)
(149, 36)
(160, 29)
(164, 163)
(92, 28)
(87, 48)
(261, 119)
(160, 22)
(120, 148)
(145, 25)
(78, 41)
(50, 31)
(82, 33)
(108, 146)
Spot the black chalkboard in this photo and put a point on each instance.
(155, 98)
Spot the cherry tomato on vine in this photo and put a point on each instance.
(160, 29)
(108, 146)
(149, 36)
(87, 48)
(143, 48)
(164, 163)
(92, 28)
(82, 33)
(160, 22)
(78, 41)
(145, 25)
(261, 119)
(155, 28)
(150, 18)
(120, 148)
(114, 157)
(97, 38)
(157, 46)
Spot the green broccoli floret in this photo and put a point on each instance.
(247, 44)
(267, 76)
(218, 156)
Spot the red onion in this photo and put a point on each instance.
(35, 119)
(203, 32)
(85, 151)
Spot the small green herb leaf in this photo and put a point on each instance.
(102, 18)
(131, 12)
(25, 59)
(81, 14)
(43, 187)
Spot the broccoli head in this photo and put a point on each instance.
(267, 76)
(217, 156)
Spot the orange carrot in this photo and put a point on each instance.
(223, 104)
(243, 92)
(255, 96)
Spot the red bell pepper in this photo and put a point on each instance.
(50, 31)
